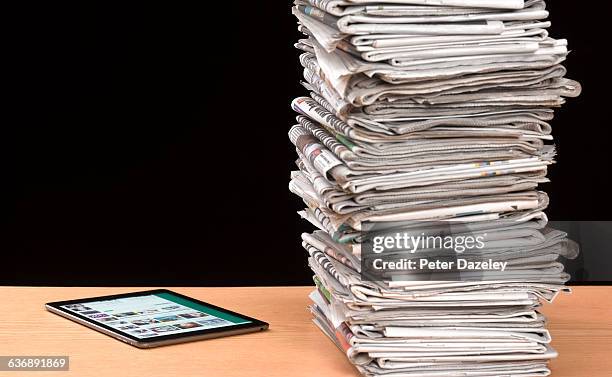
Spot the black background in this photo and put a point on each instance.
(148, 143)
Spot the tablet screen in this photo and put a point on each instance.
(155, 314)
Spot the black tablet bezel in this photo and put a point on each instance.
(154, 339)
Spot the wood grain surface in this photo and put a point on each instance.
(581, 325)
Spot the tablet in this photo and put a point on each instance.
(155, 318)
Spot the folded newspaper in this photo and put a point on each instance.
(420, 146)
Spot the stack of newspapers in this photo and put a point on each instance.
(420, 148)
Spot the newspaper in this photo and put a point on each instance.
(447, 324)
(343, 7)
(431, 121)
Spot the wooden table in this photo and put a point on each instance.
(581, 326)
